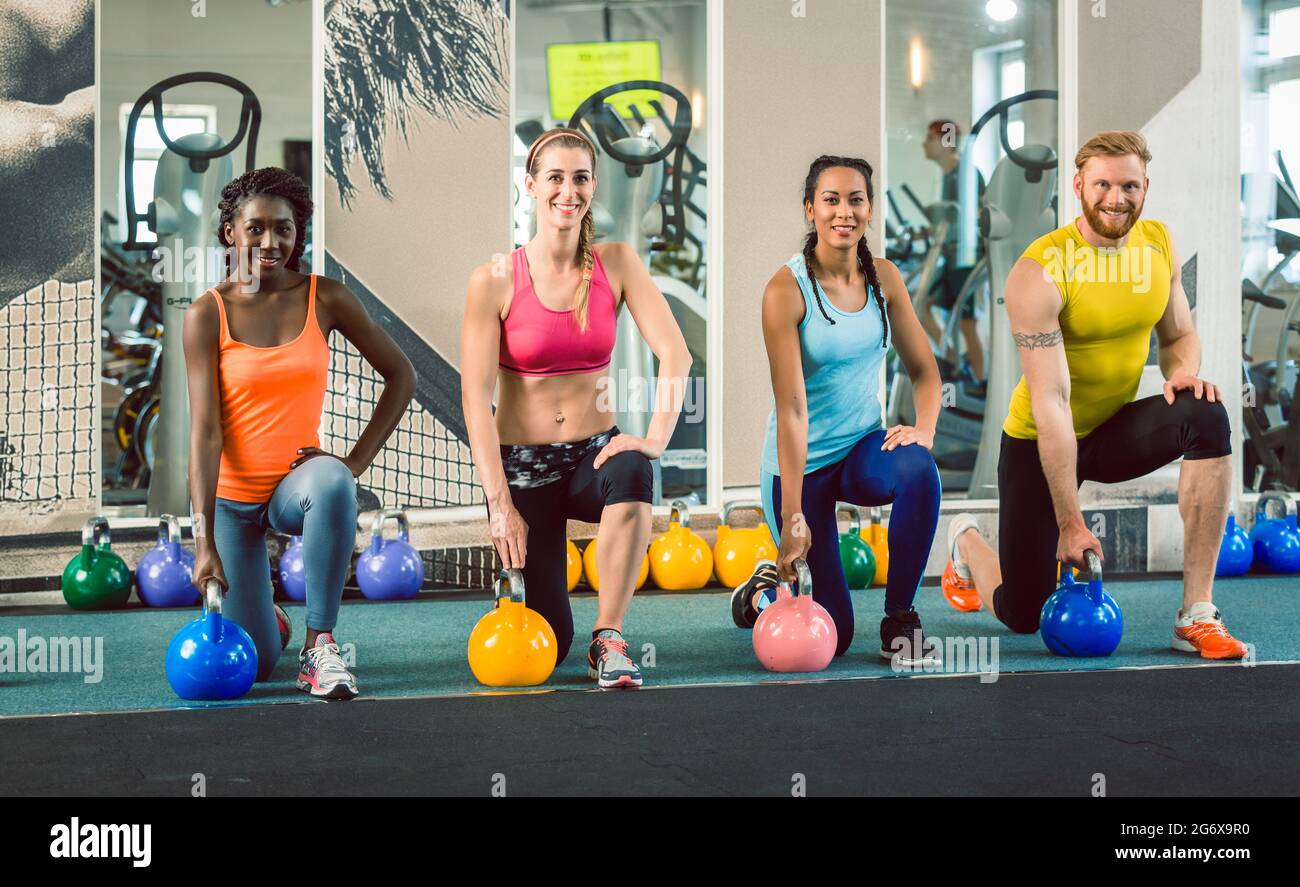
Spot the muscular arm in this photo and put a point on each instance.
(349, 317)
(783, 310)
(1033, 305)
(480, 338)
(1178, 346)
(654, 319)
(199, 335)
(912, 345)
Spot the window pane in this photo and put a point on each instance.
(1013, 78)
(1284, 33)
(144, 170)
(1284, 123)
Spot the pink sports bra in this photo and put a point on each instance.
(538, 341)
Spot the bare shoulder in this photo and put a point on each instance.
(782, 286)
(331, 292)
(202, 323)
(891, 279)
(611, 251)
(615, 257)
(492, 282)
(204, 308)
(225, 287)
(782, 298)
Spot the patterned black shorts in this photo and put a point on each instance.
(536, 465)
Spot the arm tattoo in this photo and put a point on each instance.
(1037, 340)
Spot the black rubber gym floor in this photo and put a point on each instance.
(1189, 730)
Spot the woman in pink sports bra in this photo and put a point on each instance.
(543, 330)
(257, 360)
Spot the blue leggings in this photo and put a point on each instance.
(318, 501)
(908, 478)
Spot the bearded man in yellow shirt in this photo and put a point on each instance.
(1082, 302)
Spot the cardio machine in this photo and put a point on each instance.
(1017, 208)
(643, 165)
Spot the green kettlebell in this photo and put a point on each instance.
(96, 579)
(855, 554)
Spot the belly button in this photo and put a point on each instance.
(559, 417)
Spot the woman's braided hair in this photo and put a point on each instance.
(865, 260)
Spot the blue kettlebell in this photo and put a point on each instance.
(390, 569)
(1276, 539)
(293, 576)
(211, 658)
(165, 576)
(1081, 620)
(1236, 551)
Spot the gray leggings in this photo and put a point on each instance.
(318, 501)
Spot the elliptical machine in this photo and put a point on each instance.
(1017, 209)
(636, 174)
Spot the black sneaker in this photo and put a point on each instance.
(904, 644)
(742, 598)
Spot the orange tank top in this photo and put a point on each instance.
(271, 403)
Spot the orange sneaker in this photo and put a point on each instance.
(958, 587)
(1201, 630)
(959, 592)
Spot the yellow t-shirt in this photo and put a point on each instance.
(1111, 300)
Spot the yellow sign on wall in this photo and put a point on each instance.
(575, 71)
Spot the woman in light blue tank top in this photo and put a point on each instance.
(828, 317)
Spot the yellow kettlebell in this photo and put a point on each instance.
(512, 646)
(680, 559)
(589, 565)
(877, 536)
(573, 561)
(739, 549)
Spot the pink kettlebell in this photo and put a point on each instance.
(795, 633)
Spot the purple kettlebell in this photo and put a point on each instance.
(390, 569)
(165, 576)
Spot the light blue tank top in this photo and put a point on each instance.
(841, 372)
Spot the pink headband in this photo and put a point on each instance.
(537, 146)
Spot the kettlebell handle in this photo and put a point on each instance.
(403, 524)
(169, 529)
(212, 596)
(1094, 574)
(877, 515)
(92, 532)
(680, 513)
(1273, 496)
(804, 579)
(739, 505)
(855, 522)
(510, 584)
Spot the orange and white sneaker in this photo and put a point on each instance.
(1201, 630)
(957, 584)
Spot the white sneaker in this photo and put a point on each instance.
(322, 671)
(959, 524)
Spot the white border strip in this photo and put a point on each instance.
(96, 396)
(539, 691)
(1067, 106)
(318, 136)
(715, 390)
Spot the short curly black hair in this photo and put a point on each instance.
(269, 181)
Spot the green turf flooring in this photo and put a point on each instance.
(417, 648)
